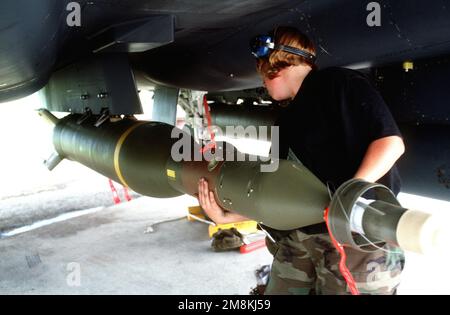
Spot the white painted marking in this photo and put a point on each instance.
(60, 218)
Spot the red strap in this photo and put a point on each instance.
(125, 192)
(212, 144)
(114, 192)
(342, 263)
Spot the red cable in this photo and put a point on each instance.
(342, 263)
(212, 144)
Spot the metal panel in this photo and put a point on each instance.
(100, 82)
(165, 105)
(136, 36)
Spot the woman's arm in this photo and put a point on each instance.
(380, 157)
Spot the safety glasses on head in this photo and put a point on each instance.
(262, 45)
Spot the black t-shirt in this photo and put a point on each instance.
(329, 125)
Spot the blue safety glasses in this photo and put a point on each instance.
(262, 45)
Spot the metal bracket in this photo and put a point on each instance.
(103, 117)
(87, 113)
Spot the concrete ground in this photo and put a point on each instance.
(124, 249)
(52, 200)
(114, 251)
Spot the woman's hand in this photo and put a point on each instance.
(212, 209)
(208, 202)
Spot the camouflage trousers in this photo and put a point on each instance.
(309, 264)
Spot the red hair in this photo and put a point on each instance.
(278, 59)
